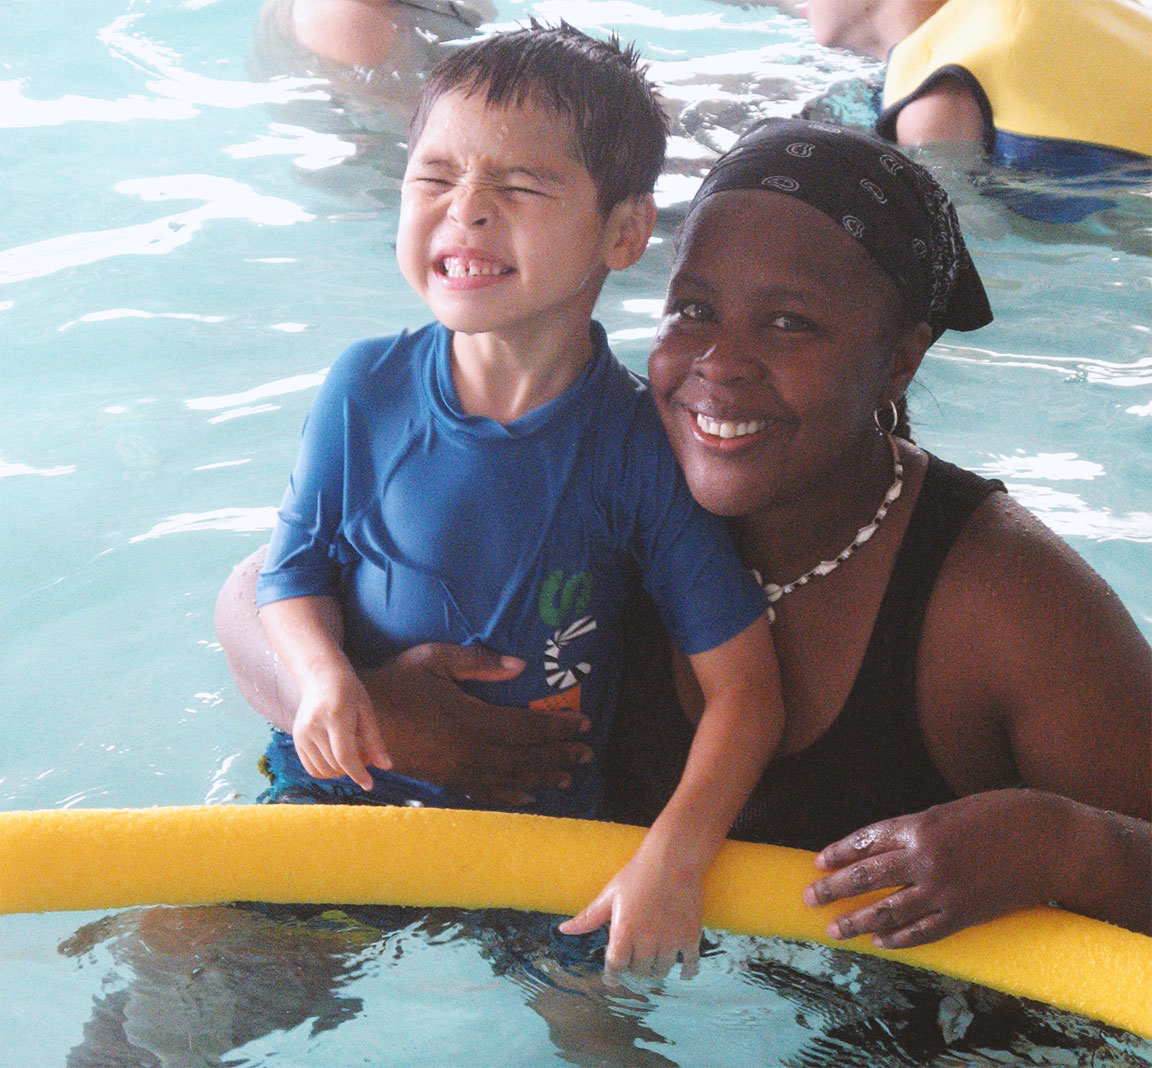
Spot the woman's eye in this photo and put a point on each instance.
(786, 321)
(695, 311)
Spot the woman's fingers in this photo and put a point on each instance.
(953, 865)
(868, 841)
(465, 662)
(891, 913)
(928, 928)
(871, 873)
(434, 731)
(531, 727)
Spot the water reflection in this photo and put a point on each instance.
(204, 986)
(247, 984)
(863, 1012)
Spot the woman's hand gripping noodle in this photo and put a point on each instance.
(983, 856)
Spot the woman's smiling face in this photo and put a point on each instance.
(779, 339)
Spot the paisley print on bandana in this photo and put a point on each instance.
(892, 206)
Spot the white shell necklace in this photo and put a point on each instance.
(863, 535)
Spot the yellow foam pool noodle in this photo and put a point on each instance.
(78, 859)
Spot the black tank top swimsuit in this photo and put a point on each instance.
(871, 763)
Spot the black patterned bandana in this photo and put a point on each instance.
(892, 206)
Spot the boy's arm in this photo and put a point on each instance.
(655, 902)
(334, 729)
(739, 730)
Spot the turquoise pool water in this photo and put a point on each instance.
(187, 238)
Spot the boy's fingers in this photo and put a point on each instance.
(595, 915)
(346, 756)
(314, 760)
(372, 744)
(618, 957)
(662, 964)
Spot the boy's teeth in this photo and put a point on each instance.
(458, 268)
(725, 429)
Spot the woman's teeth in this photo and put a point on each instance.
(724, 429)
(458, 268)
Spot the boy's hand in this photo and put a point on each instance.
(335, 730)
(654, 907)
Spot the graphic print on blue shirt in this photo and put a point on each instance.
(433, 525)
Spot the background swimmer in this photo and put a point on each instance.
(1053, 83)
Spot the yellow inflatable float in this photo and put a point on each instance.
(78, 859)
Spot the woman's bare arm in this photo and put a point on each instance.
(1035, 693)
(431, 729)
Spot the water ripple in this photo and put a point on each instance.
(1135, 373)
(225, 199)
(244, 520)
(278, 388)
(11, 470)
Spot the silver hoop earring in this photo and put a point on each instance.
(892, 412)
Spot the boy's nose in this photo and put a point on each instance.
(470, 206)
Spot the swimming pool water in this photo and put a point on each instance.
(185, 245)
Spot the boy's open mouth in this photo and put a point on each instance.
(471, 267)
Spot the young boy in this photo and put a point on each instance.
(496, 476)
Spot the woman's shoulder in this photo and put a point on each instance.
(1023, 637)
(1005, 566)
(1003, 542)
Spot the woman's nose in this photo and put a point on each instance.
(727, 358)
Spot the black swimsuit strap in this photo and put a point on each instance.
(871, 763)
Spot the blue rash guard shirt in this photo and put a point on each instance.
(431, 525)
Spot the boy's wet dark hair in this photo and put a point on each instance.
(618, 124)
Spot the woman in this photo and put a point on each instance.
(951, 668)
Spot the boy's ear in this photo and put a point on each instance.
(630, 225)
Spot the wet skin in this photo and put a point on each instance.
(501, 234)
(777, 321)
(779, 338)
(793, 364)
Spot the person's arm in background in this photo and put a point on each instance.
(946, 113)
(1031, 671)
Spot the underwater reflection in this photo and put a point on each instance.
(250, 984)
(192, 986)
(863, 1012)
